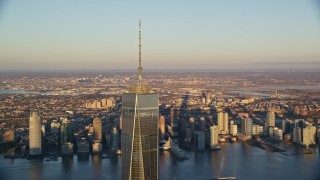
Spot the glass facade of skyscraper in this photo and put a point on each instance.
(139, 138)
(66, 132)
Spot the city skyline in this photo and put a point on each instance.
(180, 35)
(290, 143)
(231, 90)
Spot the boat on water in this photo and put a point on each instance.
(166, 148)
(118, 152)
(216, 147)
(165, 145)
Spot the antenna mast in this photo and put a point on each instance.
(140, 66)
(139, 88)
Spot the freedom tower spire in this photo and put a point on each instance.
(140, 66)
(140, 134)
(140, 87)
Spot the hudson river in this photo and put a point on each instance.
(238, 159)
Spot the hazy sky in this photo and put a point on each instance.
(178, 34)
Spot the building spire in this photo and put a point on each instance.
(139, 88)
(140, 66)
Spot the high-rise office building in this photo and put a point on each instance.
(297, 135)
(97, 135)
(174, 123)
(97, 129)
(233, 129)
(214, 136)
(115, 139)
(246, 127)
(66, 131)
(191, 123)
(257, 129)
(270, 131)
(278, 134)
(35, 140)
(181, 127)
(162, 127)
(270, 124)
(139, 136)
(309, 135)
(223, 122)
(66, 137)
(318, 135)
(220, 121)
(199, 140)
(271, 119)
(286, 126)
(202, 123)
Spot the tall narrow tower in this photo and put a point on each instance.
(35, 147)
(139, 136)
(97, 129)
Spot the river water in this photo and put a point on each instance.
(235, 159)
(5, 91)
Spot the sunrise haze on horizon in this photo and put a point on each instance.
(175, 35)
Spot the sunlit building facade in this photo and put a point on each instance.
(223, 123)
(97, 129)
(35, 141)
(139, 138)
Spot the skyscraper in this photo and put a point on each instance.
(35, 133)
(202, 123)
(97, 129)
(174, 123)
(309, 135)
(66, 131)
(270, 123)
(66, 137)
(214, 136)
(139, 136)
(162, 127)
(246, 127)
(297, 135)
(191, 122)
(220, 121)
(114, 139)
(199, 140)
(271, 119)
(223, 123)
(233, 130)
